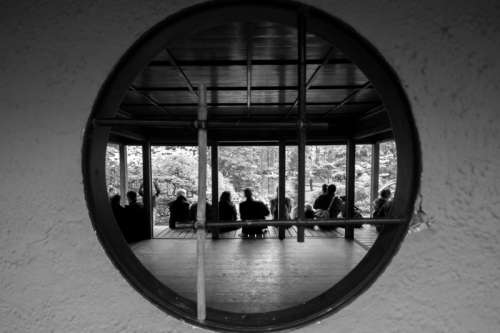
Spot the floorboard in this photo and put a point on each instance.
(253, 275)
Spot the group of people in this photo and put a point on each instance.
(132, 217)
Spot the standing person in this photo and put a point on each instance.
(328, 205)
(252, 210)
(155, 195)
(179, 209)
(275, 207)
(227, 211)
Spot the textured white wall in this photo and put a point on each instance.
(55, 276)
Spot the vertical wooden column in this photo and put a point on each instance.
(375, 173)
(301, 80)
(281, 187)
(123, 173)
(202, 199)
(351, 163)
(215, 187)
(147, 193)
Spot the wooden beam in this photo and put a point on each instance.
(214, 157)
(123, 173)
(375, 166)
(347, 99)
(147, 192)
(150, 99)
(256, 88)
(281, 186)
(301, 80)
(242, 62)
(217, 124)
(201, 208)
(350, 188)
(312, 77)
(243, 104)
(249, 46)
(181, 73)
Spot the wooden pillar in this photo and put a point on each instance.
(301, 80)
(281, 187)
(375, 174)
(215, 187)
(351, 163)
(123, 173)
(202, 199)
(147, 193)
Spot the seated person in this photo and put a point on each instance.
(179, 209)
(382, 206)
(252, 210)
(379, 211)
(227, 211)
(275, 207)
(193, 212)
(308, 211)
(356, 211)
(136, 219)
(328, 205)
(120, 217)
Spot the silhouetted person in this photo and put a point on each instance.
(324, 189)
(136, 218)
(252, 210)
(193, 212)
(154, 195)
(227, 211)
(308, 211)
(120, 216)
(179, 209)
(328, 205)
(275, 207)
(382, 206)
(356, 211)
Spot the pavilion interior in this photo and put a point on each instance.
(250, 71)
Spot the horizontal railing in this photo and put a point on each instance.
(304, 223)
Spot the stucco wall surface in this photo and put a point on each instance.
(54, 274)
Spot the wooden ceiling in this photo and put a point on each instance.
(250, 71)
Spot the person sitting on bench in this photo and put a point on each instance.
(179, 209)
(252, 210)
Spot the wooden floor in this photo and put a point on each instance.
(255, 275)
(364, 236)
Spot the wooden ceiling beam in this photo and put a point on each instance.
(348, 98)
(181, 72)
(328, 103)
(311, 79)
(257, 88)
(243, 62)
(150, 99)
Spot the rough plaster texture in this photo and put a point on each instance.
(55, 276)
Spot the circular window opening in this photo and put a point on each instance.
(295, 94)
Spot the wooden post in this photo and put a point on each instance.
(351, 163)
(301, 80)
(202, 199)
(281, 186)
(215, 187)
(147, 193)
(123, 173)
(375, 174)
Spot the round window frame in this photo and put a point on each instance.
(202, 16)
